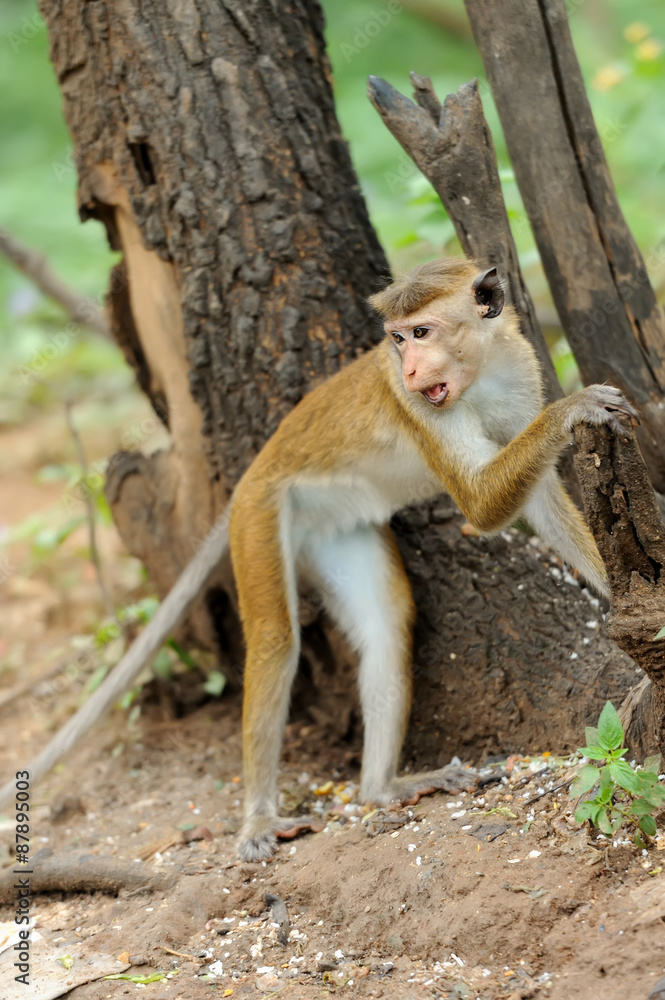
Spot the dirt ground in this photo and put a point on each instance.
(493, 894)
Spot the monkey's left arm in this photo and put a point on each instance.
(492, 494)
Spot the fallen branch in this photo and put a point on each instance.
(624, 515)
(83, 873)
(34, 264)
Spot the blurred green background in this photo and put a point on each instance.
(620, 45)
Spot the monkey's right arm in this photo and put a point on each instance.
(492, 495)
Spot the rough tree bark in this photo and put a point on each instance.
(207, 143)
(598, 279)
(623, 513)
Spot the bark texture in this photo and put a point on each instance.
(624, 515)
(598, 279)
(206, 141)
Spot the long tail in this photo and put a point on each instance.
(170, 613)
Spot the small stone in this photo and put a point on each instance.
(266, 984)
(658, 992)
(395, 944)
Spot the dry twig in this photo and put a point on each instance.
(90, 508)
(35, 265)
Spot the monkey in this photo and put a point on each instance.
(450, 401)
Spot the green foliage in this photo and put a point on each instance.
(215, 683)
(48, 531)
(660, 634)
(623, 795)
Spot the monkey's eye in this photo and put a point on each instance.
(420, 331)
(398, 338)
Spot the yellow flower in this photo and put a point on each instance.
(636, 32)
(648, 50)
(607, 77)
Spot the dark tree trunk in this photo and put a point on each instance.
(624, 515)
(596, 273)
(207, 143)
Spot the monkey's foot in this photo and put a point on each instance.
(259, 836)
(451, 778)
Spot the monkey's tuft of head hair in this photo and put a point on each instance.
(421, 285)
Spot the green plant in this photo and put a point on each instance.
(625, 795)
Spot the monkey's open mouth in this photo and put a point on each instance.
(436, 394)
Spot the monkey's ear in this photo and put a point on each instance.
(489, 293)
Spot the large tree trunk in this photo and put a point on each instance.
(207, 143)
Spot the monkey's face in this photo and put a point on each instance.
(444, 346)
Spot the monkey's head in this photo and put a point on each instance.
(442, 318)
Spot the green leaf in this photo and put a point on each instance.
(654, 794)
(50, 539)
(591, 736)
(640, 807)
(617, 820)
(660, 634)
(141, 612)
(625, 777)
(652, 764)
(585, 780)
(103, 509)
(215, 683)
(648, 826)
(129, 697)
(107, 632)
(605, 824)
(162, 665)
(97, 678)
(610, 730)
(606, 788)
(181, 653)
(585, 810)
(593, 752)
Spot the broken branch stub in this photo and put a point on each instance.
(452, 146)
(624, 516)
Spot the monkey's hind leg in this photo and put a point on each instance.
(366, 590)
(263, 562)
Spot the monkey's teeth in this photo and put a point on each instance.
(436, 393)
